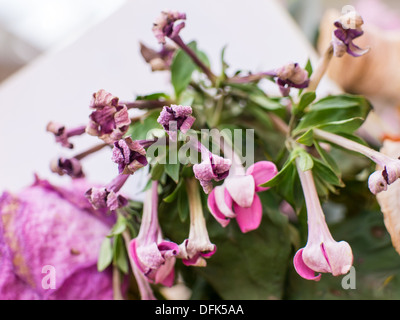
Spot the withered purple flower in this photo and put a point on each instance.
(289, 76)
(108, 196)
(176, 117)
(63, 134)
(110, 120)
(165, 25)
(348, 28)
(130, 155)
(69, 166)
(211, 168)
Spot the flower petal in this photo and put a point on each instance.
(249, 219)
(214, 209)
(302, 269)
(241, 189)
(262, 172)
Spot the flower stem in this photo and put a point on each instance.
(348, 144)
(94, 149)
(178, 40)
(320, 70)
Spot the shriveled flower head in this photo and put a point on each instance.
(158, 60)
(348, 28)
(211, 168)
(108, 196)
(130, 155)
(291, 75)
(176, 117)
(62, 134)
(165, 26)
(69, 166)
(110, 120)
(46, 228)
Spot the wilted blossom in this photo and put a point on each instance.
(63, 134)
(69, 166)
(165, 25)
(108, 196)
(158, 60)
(322, 254)
(153, 256)
(211, 168)
(110, 120)
(130, 155)
(348, 28)
(47, 230)
(176, 117)
(198, 245)
(289, 76)
(240, 191)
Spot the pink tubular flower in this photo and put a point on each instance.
(321, 253)
(153, 256)
(108, 196)
(240, 190)
(348, 28)
(164, 26)
(176, 117)
(110, 120)
(198, 245)
(62, 134)
(43, 231)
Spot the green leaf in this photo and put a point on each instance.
(120, 258)
(305, 161)
(173, 195)
(342, 126)
(183, 204)
(307, 138)
(305, 100)
(173, 171)
(326, 173)
(157, 171)
(309, 68)
(342, 109)
(265, 102)
(119, 226)
(105, 255)
(182, 68)
(141, 130)
(326, 157)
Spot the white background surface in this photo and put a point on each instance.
(58, 85)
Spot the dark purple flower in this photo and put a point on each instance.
(71, 167)
(154, 257)
(164, 25)
(289, 76)
(348, 28)
(176, 117)
(62, 134)
(110, 120)
(130, 155)
(43, 232)
(108, 196)
(212, 167)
